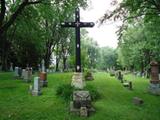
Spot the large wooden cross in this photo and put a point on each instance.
(77, 25)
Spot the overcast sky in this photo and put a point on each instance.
(105, 35)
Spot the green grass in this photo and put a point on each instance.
(115, 102)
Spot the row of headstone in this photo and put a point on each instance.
(39, 82)
(125, 83)
(24, 74)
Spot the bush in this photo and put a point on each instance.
(65, 91)
(93, 92)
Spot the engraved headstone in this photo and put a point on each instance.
(39, 67)
(16, 69)
(27, 75)
(154, 72)
(23, 73)
(11, 67)
(43, 79)
(43, 65)
(43, 75)
(154, 86)
(19, 71)
(36, 87)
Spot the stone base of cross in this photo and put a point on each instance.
(78, 81)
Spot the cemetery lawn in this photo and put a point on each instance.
(115, 102)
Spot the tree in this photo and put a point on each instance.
(39, 22)
(7, 18)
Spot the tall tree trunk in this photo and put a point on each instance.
(57, 64)
(5, 47)
(64, 63)
(142, 67)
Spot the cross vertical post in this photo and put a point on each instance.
(77, 25)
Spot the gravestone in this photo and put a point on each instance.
(128, 84)
(81, 103)
(120, 76)
(112, 73)
(154, 86)
(19, 71)
(36, 90)
(11, 67)
(43, 75)
(39, 67)
(27, 75)
(137, 101)
(23, 73)
(47, 70)
(16, 69)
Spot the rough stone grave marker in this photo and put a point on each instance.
(81, 103)
(137, 101)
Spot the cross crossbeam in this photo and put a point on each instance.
(77, 25)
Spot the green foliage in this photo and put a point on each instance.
(139, 33)
(65, 91)
(108, 58)
(95, 95)
(90, 51)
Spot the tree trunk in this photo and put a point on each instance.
(57, 64)
(64, 63)
(5, 47)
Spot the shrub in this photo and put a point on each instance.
(65, 91)
(93, 92)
